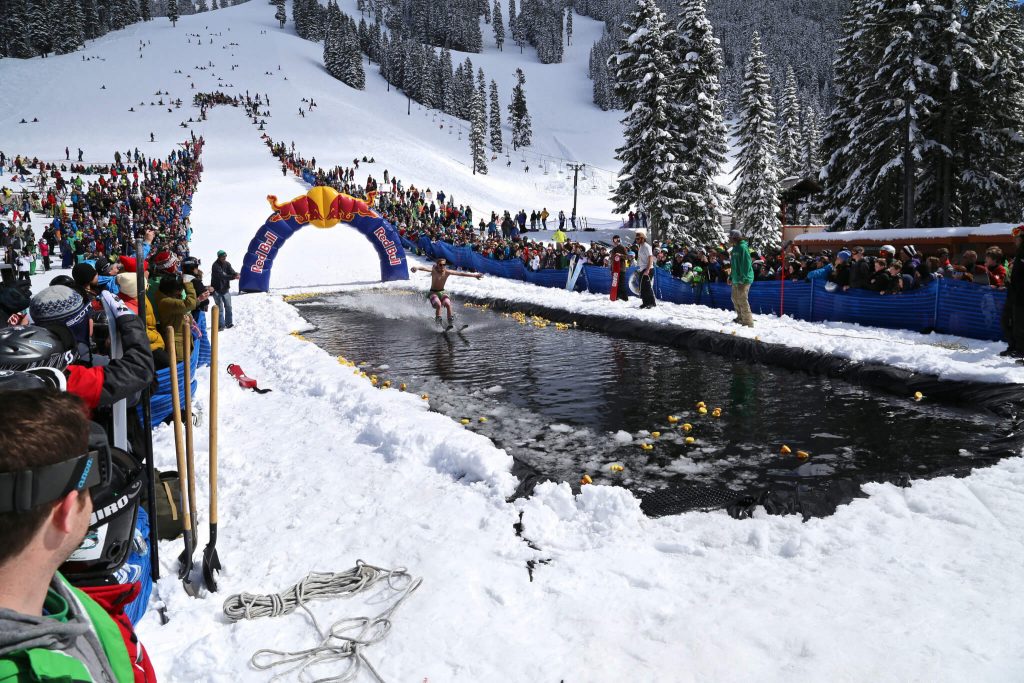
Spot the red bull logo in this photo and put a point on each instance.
(263, 250)
(389, 246)
(322, 207)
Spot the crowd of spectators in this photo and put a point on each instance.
(109, 225)
(417, 212)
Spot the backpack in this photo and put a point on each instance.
(169, 520)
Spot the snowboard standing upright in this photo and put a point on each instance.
(616, 275)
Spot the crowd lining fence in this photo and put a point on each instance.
(945, 306)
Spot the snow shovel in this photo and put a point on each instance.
(190, 458)
(211, 562)
(185, 559)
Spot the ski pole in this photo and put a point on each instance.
(185, 559)
(147, 425)
(211, 561)
(186, 340)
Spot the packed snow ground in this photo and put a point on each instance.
(922, 583)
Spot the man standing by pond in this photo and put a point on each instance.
(741, 276)
(221, 276)
(645, 268)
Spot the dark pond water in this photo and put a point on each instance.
(565, 402)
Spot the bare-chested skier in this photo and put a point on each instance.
(437, 296)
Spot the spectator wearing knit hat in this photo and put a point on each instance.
(128, 284)
(85, 276)
(65, 313)
(60, 306)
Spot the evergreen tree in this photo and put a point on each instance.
(499, 25)
(355, 74)
(444, 82)
(518, 115)
(280, 14)
(495, 119)
(810, 133)
(92, 19)
(172, 11)
(485, 9)
(69, 34)
(201, 6)
(517, 25)
(376, 42)
(39, 29)
(18, 24)
(984, 181)
(643, 81)
(790, 144)
(334, 42)
(836, 150)
(568, 25)
(600, 74)
(895, 82)
(756, 202)
(130, 13)
(699, 119)
(478, 128)
(145, 10)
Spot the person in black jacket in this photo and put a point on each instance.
(860, 270)
(886, 279)
(221, 275)
(1013, 310)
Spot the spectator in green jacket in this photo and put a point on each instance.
(49, 631)
(740, 278)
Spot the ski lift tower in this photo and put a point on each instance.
(576, 168)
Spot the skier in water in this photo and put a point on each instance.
(438, 297)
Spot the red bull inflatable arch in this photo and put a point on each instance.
(322, 207)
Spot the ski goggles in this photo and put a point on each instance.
(26, 489)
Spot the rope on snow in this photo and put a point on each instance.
(346, 638)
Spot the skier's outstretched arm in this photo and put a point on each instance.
(460, 274)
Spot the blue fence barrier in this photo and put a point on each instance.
(161, 404)
(945, 306)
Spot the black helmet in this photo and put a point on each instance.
(22, 348)
(115, 506)
(37, 378)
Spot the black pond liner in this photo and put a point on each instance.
(784, 496)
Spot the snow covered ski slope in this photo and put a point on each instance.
(921, 583)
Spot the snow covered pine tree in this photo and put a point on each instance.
(645, 83)
(756, 202)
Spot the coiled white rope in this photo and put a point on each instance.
(345, 640)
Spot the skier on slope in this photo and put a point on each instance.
(437, 296)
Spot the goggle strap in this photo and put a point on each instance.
(24, 490)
